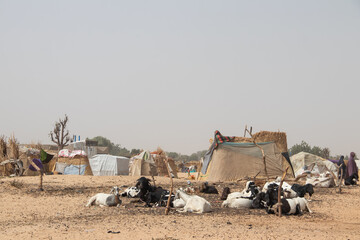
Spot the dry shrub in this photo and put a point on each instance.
(13, 148)
(16, 183)
(2, 148)
(35, 145)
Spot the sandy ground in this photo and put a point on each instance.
(59, 212)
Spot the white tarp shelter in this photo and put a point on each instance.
(316, 163)
(109, 165)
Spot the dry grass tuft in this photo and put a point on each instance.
(17, 184)
(13, 146)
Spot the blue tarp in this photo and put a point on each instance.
(74, 169)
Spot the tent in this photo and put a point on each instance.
(232, 158)
(109, 165)
(303, 160)
(231, 161)
(142, 164)
(151, 163)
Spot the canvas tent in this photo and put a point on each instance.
(108, 165)
(303, 160)
(232, 158)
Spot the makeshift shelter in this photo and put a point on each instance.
(304, 161)
(232, 158)
(142, 164)
(147, 164)
(109, 165)
(71, 163)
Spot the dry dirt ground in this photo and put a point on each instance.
(59, 212)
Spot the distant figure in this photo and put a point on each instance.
(343, 167)
(351, 166)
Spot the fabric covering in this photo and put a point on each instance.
(351, 167)
(108, 165)
(304, 161)
(45, 157)
(60, 167)
(37, 163)
(74, 170)
(143, 165)
(218, 139)
(231, 161)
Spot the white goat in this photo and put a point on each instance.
(194, 203)
(103, 199)
(237, 203)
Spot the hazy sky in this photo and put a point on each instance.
(169, 73)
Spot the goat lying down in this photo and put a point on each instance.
(292, 206)
(131, 192)
(103, 199)
(269, 200)
(193, 203)
(243, 199)
(151, 194)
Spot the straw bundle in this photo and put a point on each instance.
(265, 136)
(159, 159)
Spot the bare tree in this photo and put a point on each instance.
(60, 135)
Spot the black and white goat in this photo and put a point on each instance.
(131, 192)
(286, 188)
(103, 199)
(289, 206)
(243, 199)
(150, 194)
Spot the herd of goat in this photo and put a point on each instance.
(292, 197)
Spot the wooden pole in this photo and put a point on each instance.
(279, 191)
(166, 160)
(262, 151)
(41, 174)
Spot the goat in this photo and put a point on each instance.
(225, 193)
(103, 199)
(243, 199)
(205, 188)
(285, 188)
(194, 203)
(131, 192)
(302, 190)
(178, 202)
(289, 206)
(150, 194)
(259, 201)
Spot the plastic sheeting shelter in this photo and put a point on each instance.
(108, 165)
(311, 161)
(231, 161)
